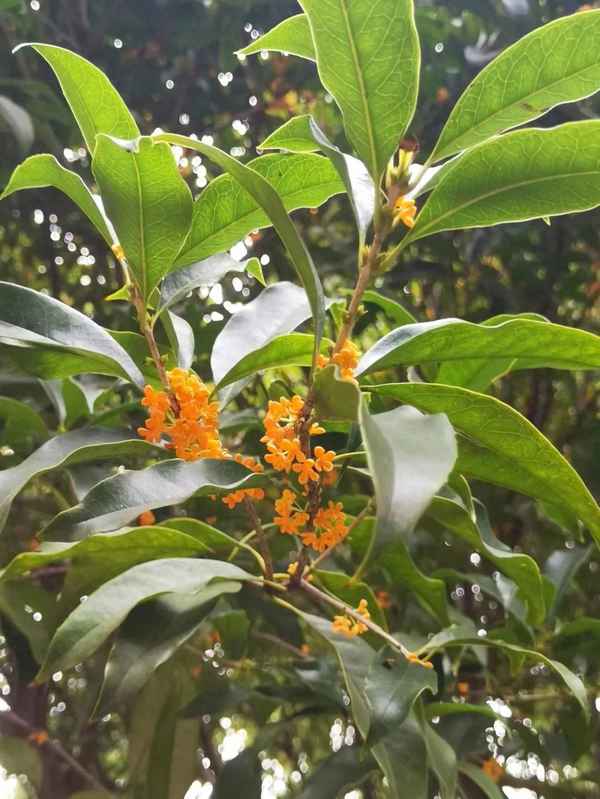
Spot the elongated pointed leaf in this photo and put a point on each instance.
(150, 637)
(60, 341)
(147, 201)
(117, 500)
(410, 457)
(368, 57)
(345, 769)
(403, 759)
(44, 171)
(302, 134)
(519, 567)
(270, 202)
(78, 446)
(527, 174)
(500, 446)
(181, 338)
(393, 309)
(290, 36)
(440, 755)
(471, 355)
(258, 323)
(182, 281)
(557, 63)
(227, 210)
(90, 624)
(94, 101)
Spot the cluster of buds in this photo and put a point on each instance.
(397, 183)
(348, 625)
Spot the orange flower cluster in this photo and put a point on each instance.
(347, 360)
(405, 211)
(194, 429)
(348, 625)
(329, 528)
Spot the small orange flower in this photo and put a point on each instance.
(146, 519)
(306, 471)
(405, 211)
(493, 769)
(347, 360)
(348, 625)
(323, 459)
(383, 600)
(39, 737)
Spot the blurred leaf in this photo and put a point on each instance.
(17, 756)
(117, 500)
(290, 36)
(403, 758)
(43, 171)
(473, 355)
(410, 457)
(173, 762)
(147, 201)
(227, 210)
(242, 773)
(32, 610)
(369, 58)
(62, 340)
(335, 398)
(500, 446)
(561, 568)
(255, 270)
(335, 776)
(90, 624)
(527, 174)
(519, 567)
(557, 63)
(18, 121)
(440, 755)
(181, 338)
(233, 627)
(183, 280)
(20, 426)
(95, 103)
(77, 446)
(267, 198)
(391, 308)
(481, 779)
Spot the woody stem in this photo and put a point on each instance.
(321, 596)
(261, 538)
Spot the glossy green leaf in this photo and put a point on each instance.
(410, 457)
(557, 63)
(519, 567)
(338, 774)
(391, 308)
(440, 755)
(149, 637)
(20, 427)
(227, 210)
(571, 680)
(290, 36)
(217, 541)
(181, 338)
(500, 446)
(147, 201)
(527, 174)
(302, 134)
(90, 624)
(392, 685)
(117, 500)
(94, 101)
(471, 355)
(61, 340)
(19, 601)
(335, 398)
(368, 57)
(78, 446)
(44, 171)
(481, 779)
(179, 283)
(256, 324)
(403, 759)
(267, 198)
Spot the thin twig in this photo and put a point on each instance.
(280, 642)
(261, 538)
(364, 512)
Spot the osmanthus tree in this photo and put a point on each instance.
(262, 558)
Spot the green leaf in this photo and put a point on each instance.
(17, 756)
(149, 637)
(352, 592)
(242, 773)
(173, 761)
(519, 567)
(90, 624)
(255, 271)
(228, 209)
(335, 776)
(557, 63)
(94, 101)
(561, 569)
(403, 759)
(302, 134)
(179, 283)
(335, 398)
(391, 308)
(481, 779)
(61, 340)
(217, 541)
(20, 600)
(117, 500)
(78, 446)
(500, 446)
(441, 756)
(268, 199)
(233, 627)
(147, 201)
(18, 121)
(527, 174)
(181, 338)
(20, 427)
(472, 355)
(44, 171)
(256, 324)
(410, 457)
(368, 58)
(290, 36)
(392, 685)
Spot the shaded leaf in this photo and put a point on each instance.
(290, 36)
(336, 775)
(403, 759)
(390, 307)
(335, 398)
(181, 338)
(561, 568)
(20, 426)
(481, 779)
(440, 755)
